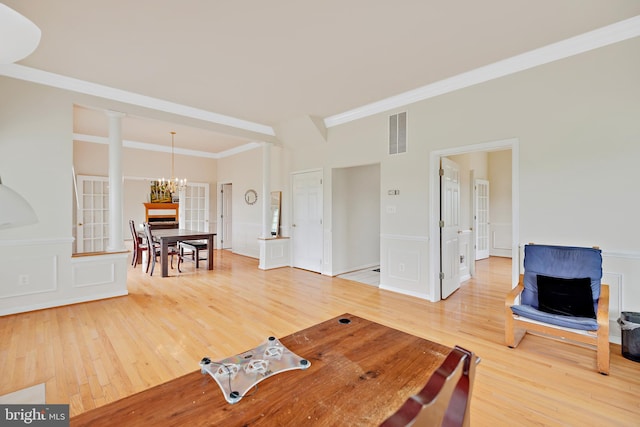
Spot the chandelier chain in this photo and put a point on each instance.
(165, 189)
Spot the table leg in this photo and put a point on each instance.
(164, 257)
(210, 253)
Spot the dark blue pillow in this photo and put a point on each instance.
(567, 297)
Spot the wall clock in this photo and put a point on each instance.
(251, 197)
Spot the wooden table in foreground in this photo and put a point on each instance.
(361, 372)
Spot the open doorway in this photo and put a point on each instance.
(355, 223)
(505, 235)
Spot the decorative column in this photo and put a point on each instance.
(116, 240)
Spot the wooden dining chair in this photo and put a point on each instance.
(139, 245)
(155, 250)
(446, 398)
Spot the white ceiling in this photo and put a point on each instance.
(267, 62)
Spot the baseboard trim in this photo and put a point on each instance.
(62, 302)
(420, 295)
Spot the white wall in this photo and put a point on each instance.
(36, 268)
(577, 124)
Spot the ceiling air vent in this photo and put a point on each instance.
(398, 133)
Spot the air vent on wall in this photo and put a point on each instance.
(398, 133)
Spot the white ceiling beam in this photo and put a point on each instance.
(33, 75)
(164, 149)
(614, 33)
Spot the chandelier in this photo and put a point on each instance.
(167, 188)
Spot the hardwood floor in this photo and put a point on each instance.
(93, 353)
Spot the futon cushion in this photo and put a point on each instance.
(566, 297)
(582, 323)
(559, 261)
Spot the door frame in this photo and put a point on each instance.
(434, 217)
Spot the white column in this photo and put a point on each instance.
(266, 189)
(116, 239)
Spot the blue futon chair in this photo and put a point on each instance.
(560, 295)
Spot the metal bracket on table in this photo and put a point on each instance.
(238, 374)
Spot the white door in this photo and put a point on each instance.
(306, 225)
(194, 207)
(225, 216)
(92, 230)
(482, 225)
(449, 227)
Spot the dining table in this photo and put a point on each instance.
(356, 373)
(170, 236)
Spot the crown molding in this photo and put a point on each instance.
(610, 34)
(34, 75)
(164, 149)
(240, 149)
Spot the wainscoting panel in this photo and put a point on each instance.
(274, 253)
(614, 280)
(621, 270)
(37, 274)
(92, 272)
(404, 264)
(501, 236)
(27, 275)
(245, 238)
(328, 268)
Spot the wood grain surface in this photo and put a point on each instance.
(360, 373)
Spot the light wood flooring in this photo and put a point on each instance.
(93, 353)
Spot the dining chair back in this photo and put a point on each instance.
(445, 399)
(155, 250)
(139, 245)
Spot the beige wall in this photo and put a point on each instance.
(576, 123)
(244, 172)
(500, 202)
